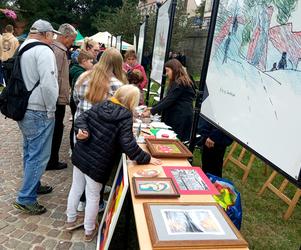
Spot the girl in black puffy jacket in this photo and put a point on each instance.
(102, 132)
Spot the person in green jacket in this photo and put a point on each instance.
(85, 62)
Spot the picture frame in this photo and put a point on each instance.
(191, 225)
(158, 187)
(190, 180)
(167, 148)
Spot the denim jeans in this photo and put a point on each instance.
(37, 130)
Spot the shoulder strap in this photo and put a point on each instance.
(30, 45)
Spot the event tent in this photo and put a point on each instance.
(105, 38)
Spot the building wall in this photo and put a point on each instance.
(194, 47)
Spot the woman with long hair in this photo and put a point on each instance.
(101, 82)
(177, 105)
(97, 85)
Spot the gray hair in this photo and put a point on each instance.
(67, 30)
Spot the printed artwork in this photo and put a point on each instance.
(191, 221)
(167, 148)
(191, 225)
(253, 78)
(155, 187)
(190, 180)
(160, 43)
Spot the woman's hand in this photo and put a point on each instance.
(82, 134)
(155, 161)
(146, 113)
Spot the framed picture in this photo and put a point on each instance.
(190, 180)
(154, 187)
(194, 225)
(167, 148)
(111, 214)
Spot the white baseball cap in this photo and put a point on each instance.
(42, 26)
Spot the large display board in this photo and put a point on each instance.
(118, 43)
(160, 43)
(254, 79)
(141, 42)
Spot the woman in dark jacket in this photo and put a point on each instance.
(102, 132)
(177, 105)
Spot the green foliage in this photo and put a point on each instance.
(80, 13)
(122, 21)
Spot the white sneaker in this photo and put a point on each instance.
(102, 206)
(81, 206)
(107, 189)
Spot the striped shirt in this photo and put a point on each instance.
(79, 94)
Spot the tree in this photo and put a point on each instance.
(122, 21)
(80, 13)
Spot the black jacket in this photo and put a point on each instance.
(207, 130)
(110, 131)
(177, 109)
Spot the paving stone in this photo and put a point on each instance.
(39, 248)
(58, 215)
(38, 239)
(20, 223)
(18, 233)
(46, 221)
(53, 233)
(3, 238)
(64, 245)
(78, 246)
(12, 243)
(8, 229)
(33, 219)
(31, 227)
(43, 229)
(11, 219)
(65, 235)
(28, 237)
(91, 246)
(3, 224)
(78, 235)
(24, 246)
(58, 223)
(49, 243)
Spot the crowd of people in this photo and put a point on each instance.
(103, 89)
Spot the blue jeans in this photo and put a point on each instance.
(37, 130)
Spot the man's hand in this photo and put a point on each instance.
(209, 143)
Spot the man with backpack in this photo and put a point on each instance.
(39, 71)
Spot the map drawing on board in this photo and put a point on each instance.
(253, 84)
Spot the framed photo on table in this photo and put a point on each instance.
(194, 225)
(167, 148)
(154, 188)
(190, 180)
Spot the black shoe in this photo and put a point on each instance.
(33, 209)
(59, 166)
(44, 189)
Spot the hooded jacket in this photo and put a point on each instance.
(8, 45)
(110, 132)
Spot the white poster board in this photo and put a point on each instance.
(160, 43)
(118, 43)
(141, 43)
(114, 206)
(254, 80)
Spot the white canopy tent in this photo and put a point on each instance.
(105, 38)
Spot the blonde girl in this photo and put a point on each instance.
(104, 131)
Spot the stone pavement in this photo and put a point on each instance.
(22, 231)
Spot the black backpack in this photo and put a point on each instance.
(14, 97)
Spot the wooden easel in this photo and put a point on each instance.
(238, 161)
(279, 192)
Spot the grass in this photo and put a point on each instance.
(263, 226)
